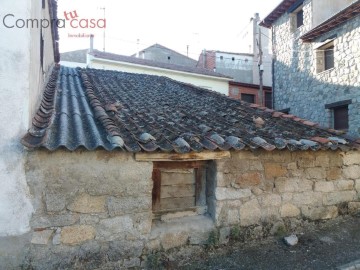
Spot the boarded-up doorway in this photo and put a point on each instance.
(179, 186)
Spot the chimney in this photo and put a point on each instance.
(91, 43)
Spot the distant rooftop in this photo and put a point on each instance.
(78, 56)
(151, 63)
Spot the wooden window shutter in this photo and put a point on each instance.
(178, 186)
(341, 118)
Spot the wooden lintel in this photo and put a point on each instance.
(206, 155)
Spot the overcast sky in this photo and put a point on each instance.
(133, 25)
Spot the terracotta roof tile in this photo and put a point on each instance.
(136, 112)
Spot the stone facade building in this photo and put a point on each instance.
(317, 61)
(124, 165)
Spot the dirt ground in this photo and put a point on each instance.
(332, 244)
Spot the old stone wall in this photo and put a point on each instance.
(297, 83)
(282, 187)
(93, 207)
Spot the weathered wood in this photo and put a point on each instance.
(177, 203)
(198, 184)
(177, 191)
(205, 155)
(156, 177)
(177, 178)
(170, 165)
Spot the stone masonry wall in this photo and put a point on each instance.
(93, 210)
(282, 186)
(298, 86)
(93, 207)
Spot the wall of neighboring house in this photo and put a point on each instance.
(323, 10)
(301, 84)
(104, 216)
(15, 206)
(237, 91)
(217, 84)
(161, 54)
(20, 88)
(238, 66)
(39, 71)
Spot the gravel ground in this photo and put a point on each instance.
(329, 245)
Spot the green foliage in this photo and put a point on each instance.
(213, 239)
(235, 233)
(280, 231)
(154, 261)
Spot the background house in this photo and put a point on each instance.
(76, 58)
(249, 93)
(316, 69)
(244, 67)
(194, 75)
(28, 53)
(162, 54)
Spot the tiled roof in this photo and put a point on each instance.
(145, 62)
(344, 15)
(277, 13)
(136, 112)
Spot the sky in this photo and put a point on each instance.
(186, 26)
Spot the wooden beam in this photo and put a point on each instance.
(205, 155)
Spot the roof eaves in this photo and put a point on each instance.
(276, 13)
(342, 16)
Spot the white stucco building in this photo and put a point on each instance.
(27, 54)
(197, 76)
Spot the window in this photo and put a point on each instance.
(340, 114)
(248, 98)
(299, 18)
(325, 56)
(178, 187)
(268, 100)
(296, 15)
(341, 118)
(329, 57)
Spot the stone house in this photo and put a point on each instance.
(317, 61)
(121, 165)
